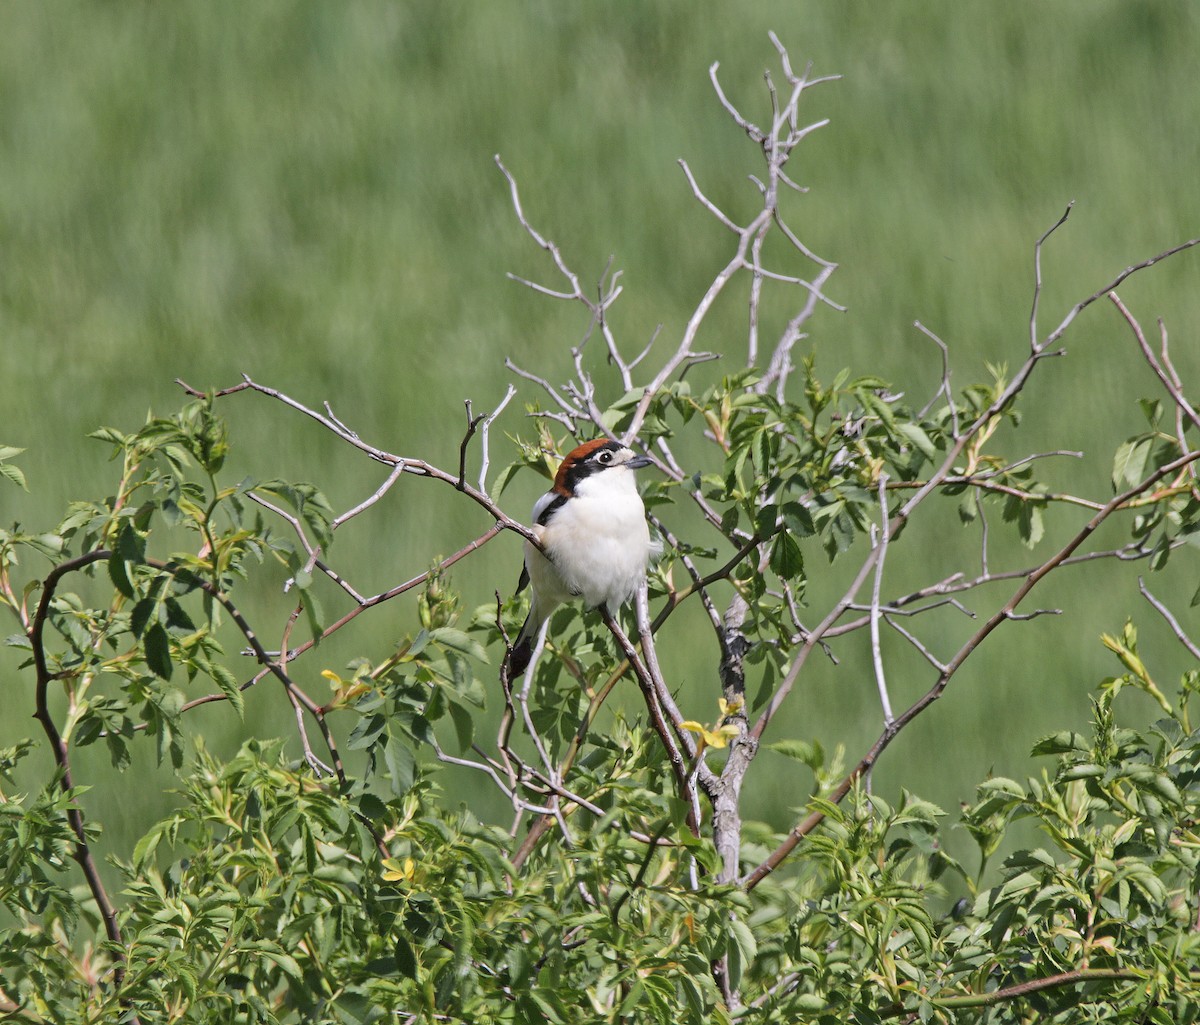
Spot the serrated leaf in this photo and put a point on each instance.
(876, 405)
(406, 959)
(787, 560)
(1129, 464)
(177, 616)
(158, 651)
(1029, 522)
(418, 644)
(1062, 742)
(1001, 785)
(229, 685)
(502, 479)
(464, 725)
(760, 451)
(742, 950)
(118, 751)
(141, 615)
(809, 752)
(448, 637)
(110, 434)
(286, 963)
(372, 807)
(1084, 770)
(14, 474)
(146, 846)
(366, 732)
(435, 707)
(314, 614)
(119, 576)
(798, 519)
(1164, 786)
(401, 765)
(131, 546)
(916, 437)
(311, 504)
(50, 545)
(171, 513)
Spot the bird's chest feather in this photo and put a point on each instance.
(599, 545)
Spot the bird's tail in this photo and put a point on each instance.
(522, 650)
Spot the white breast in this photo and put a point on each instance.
(598, 542)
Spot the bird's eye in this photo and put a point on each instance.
(605, 457)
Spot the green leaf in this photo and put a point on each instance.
(809, 752)
(503, 478)
(1028, 515)
(142, 613)
(50, 545)
(874, 404)
(1062, 742)
(177, 616)
(917, 438)
(1084, 770)
(741, 951)
(1152, 410)
(787, 560)
(118, 751)
(366, 732)
(968, 507)
(171, 513)
(144, 849)
(14, 474)
(448, 637)
(401, 764)
(760, 450)
(131, 546)
(119, 577)
(110, 434)
(1001, 785)
(798, 519)
(285, 962)
(229, 685)
(314, 614)
(1129, 464)
(158, 651)
(406, 958)
(464, 724)
(372, 807)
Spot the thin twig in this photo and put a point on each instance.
(1172, 622)
(876, 651)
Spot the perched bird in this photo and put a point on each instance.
(592, 524)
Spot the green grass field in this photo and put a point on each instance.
(306, 193)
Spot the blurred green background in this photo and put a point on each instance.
(306, 192)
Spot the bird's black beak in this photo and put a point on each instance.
(637, 462)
